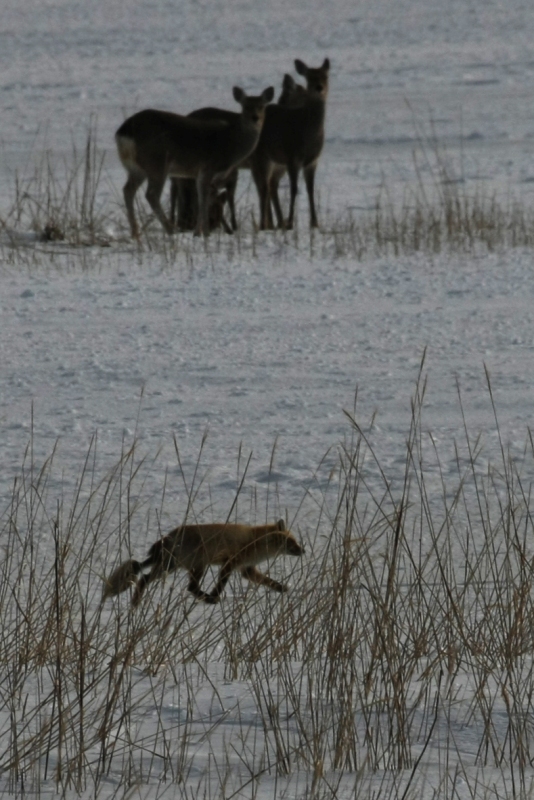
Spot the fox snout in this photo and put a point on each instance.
(294, 548)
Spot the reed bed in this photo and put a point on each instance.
(73, 202)
(398, 665)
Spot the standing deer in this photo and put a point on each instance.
(195, 547)
(293, 95)
(183, 205)
(155, 144)
(292, 138)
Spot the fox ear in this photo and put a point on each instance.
(281, 525)
(300, 66)
(326, 64)
(268, 94)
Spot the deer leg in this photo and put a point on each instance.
(293, 171)
(275, 199)
(183, 209)
(182, 213)
(153, 196)
(255, 576)
(204, 196)
(260, 173)
(269, 224)
(135, 179)
(231, 186)
(266, 214)
(173, 211)
(222, 199)
(309, 177)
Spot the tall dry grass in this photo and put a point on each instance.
(407, 633)
(73, 202)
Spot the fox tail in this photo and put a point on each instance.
(121, 579)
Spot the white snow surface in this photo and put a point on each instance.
(257, 352)
(266, 352)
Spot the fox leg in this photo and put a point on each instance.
(142, 583)
(156, 572)
(255, 576)
(224, 574)
(195, 577)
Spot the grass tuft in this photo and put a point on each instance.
(73, 202)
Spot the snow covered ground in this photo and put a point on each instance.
(258, 352)
(265, 351)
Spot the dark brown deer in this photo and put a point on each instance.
(155, 144)
(183, 204)
(292, 138)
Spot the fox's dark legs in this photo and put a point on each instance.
(214, 596)
(155, 573)
(255, 576)
(224, 574)
(141, 585)
(251, 573)
(195, 576)
(160, 561)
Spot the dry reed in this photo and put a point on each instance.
(409, 622)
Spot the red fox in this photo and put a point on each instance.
(195, 547)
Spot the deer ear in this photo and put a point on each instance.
(326, 64)
(288, 82)
(301, 67)
(268, 94)
(239, 94)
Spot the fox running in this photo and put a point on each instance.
(196, 547)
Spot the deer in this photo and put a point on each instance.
(183, 208)
(184, 205)
(292, 138)
(154, 144)
(293, 95)
(196, 547)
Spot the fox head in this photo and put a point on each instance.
(282, 542)
(292, 547)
